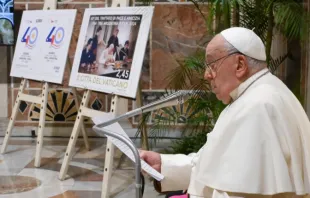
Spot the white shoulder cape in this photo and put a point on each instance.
(260, 144)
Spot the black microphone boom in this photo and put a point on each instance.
(176, 98)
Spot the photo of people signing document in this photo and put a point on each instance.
(109, 45)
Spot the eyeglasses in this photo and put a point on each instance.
(210, 66)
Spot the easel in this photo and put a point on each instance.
(118, 106)
(42, 100)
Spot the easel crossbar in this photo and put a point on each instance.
(29, 98)
(91, 112)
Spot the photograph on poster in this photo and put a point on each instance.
(109, 45)
(42, 45)
(111, 49)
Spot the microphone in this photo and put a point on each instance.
(176, 98)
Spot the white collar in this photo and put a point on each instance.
(241, 88)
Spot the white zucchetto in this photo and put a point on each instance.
(246, 42)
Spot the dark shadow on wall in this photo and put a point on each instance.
(293, 69)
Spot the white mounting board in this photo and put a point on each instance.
(42, 45)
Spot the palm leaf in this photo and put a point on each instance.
(253, 17)
(275, 63)
(180, 77)
(186, 74)
(291, 19)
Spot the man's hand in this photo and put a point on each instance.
(152, 158)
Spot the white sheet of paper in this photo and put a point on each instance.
(116, 128)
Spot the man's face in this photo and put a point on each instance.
(89, 45)
(126, 46)
(221, 69)
(115, 32)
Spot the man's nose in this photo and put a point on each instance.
(208, 75)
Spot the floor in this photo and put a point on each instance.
(20, 179)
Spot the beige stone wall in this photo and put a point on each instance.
(178, 30)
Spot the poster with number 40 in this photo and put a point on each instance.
(42, 45)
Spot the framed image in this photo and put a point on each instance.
(110, 49)
(42, 45)
(7, 22)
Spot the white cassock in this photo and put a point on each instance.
(105, 56)
(259, 147)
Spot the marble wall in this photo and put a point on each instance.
(178, 30)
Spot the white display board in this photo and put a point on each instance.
(42, 45)
(110, 49)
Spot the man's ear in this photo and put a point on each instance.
(242, 67)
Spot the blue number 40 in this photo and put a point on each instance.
(25, 37)
(49, 38)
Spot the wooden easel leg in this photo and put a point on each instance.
(85, 137)
(108, 169)
(41, 125)
(75, 133)
(13, 116)
(108, 161)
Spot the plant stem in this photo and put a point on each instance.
(227, 14)
(236, 15)
(143, 125)
(269, 32)
(217, 18)
(200, 11)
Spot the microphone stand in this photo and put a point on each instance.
(135, 152)
(174, 99)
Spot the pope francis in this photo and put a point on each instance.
(260, 145)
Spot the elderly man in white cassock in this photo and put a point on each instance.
(260, 145)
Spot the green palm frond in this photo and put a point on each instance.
(189, 144)
(253, 17)
(291, 19)
(196, 61)
(180, 77)
(186, 74)
(201, 111)
(144, 119)
(275, 63)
